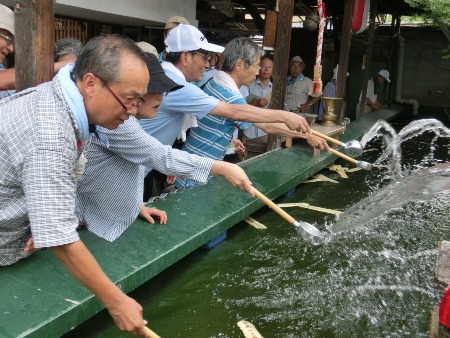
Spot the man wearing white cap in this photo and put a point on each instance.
(187, 58)
(373, 85)
(7, 77)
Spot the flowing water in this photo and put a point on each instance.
(372, 276)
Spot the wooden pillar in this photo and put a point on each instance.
(393, 55)
(34, 42)
(344, 52)
(368, 59)
(270, 29)
(281, 59)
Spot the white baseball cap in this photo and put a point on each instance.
(7, 19)
(335, 72)
(384, 73)
(186, 38)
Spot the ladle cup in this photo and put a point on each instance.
(352, 148)
(307, 231)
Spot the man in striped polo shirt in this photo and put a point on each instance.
(213, 134)
(187, 58)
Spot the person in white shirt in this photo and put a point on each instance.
(371, 101)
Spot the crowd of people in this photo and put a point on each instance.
(81, 150)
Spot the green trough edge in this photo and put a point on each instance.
(39, 298)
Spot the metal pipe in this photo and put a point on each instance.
(398, 86)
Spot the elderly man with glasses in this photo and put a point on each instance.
(42, 135)
(241, 66)
(187, 58)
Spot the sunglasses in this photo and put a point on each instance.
(9, 40)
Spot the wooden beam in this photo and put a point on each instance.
(270, 31)
(368, 59)
(281, 59)
(35, 35)
(253, 11)
(344, 52)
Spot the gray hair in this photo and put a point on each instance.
(67, 46)
(102, 56)
(240, 49)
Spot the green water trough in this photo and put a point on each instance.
(39, 298)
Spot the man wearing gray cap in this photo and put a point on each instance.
(7, 77)
(298, 87)
(373, 85)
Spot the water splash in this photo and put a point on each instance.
(422, 185)
(392, 141)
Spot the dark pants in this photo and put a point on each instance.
(154, 184)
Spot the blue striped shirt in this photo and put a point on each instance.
(213, 134)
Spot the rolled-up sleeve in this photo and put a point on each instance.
(132, 143)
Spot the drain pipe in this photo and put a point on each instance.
(398, 86)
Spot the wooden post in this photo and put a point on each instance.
(281, 59)
(368, 60)
(270, 28)
(35, 36)
(343, 58)
(393, 55)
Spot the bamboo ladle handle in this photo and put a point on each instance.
(328, 138)
(150, 333)
(274, 207)
(345, 157)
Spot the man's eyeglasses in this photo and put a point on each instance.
(140, 99)
(9, 40)
(205, 57)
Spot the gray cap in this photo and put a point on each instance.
(297, 59)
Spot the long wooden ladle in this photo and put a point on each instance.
(352, 148)
(305, 230)
(362, 164)
(150, 333)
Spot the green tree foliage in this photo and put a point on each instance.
(436, 13)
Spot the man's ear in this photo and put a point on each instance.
(184, 58)
(239, 65)
(90, 84)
